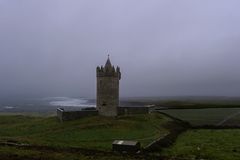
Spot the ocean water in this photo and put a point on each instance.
(70, 102)
(46, 104)
(50, 104)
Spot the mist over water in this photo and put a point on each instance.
(48, 104)
(70, 102)
(163, 47)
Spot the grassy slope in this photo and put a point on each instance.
(207, 144)
(98, 133)
(92, 132)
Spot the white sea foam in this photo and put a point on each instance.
(71, 102)
(9, 107)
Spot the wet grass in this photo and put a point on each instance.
(92, 132)
(186, 102)
(206, 144)
(15, 153)
(211, 116)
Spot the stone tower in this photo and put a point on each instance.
(108, 89)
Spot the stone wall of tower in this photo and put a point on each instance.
(108, 90)
(107, 95)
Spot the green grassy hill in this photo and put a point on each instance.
(92, 132)
(91, 138)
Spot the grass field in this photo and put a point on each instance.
(211, 116)
(16, 153)
(233, 121)
(207, 145)
(54, 140)
(92, 132)
(186, 102)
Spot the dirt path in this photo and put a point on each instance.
(228, 118)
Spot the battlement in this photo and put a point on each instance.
(108, 72)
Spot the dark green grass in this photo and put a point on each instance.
(210, 116)
(92, 132)
(206, 144)
(15, 153)
(35, 114)
(187, 102)
(190, 104)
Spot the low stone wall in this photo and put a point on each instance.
(132, 110)
(178, 128)
(72, 115)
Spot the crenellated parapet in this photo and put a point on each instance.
(108, 71)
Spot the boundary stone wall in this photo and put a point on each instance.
(73, 115)
(133, 110)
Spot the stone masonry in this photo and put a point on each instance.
(108, 89)
(107, 97)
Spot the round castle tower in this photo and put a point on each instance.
(108, 89)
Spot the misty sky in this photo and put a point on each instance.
(164, 47)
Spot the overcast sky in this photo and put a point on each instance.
(164, 47)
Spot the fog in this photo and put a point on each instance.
(163, 47)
